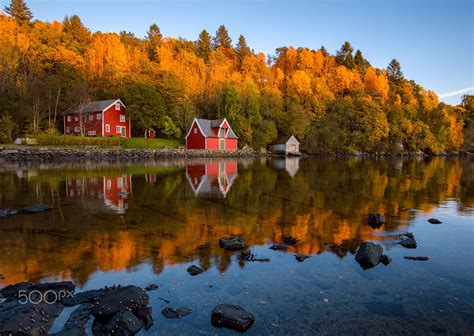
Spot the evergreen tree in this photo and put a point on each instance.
(154, 40)
(222, 38)
(344, 56)
(242, 50)
(75, 35)
(324, 51)
(360, 63)
(394, 71)
(203, 46)
(19, 11)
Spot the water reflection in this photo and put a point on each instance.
(322, 202)
(211, 178)
(290, 164)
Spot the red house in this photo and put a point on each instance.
(99, 118)
(211, 134)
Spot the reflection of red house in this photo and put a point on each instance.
(211, 134)
(112, 190)
(99, 118)
(212, 178)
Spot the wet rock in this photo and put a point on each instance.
(233, 317)
(114, 299)
(385, 259)
(232, 243)
(194, 270)
(171, 313)
(301, 257)
(375, 220)
(434, 221)
(31, 209)
(407, 240)
(76, 323)
(279, 247)
(61, 290)
(368, 255)
(151, 287)
(8, 212)
(416, 258)
(80, 298)
(122, 323)
(249, 256)
(144, 314)
(289, 240)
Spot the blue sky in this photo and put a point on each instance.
(432, 39)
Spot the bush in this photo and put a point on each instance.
(61, 140)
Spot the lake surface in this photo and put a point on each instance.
(146, 223)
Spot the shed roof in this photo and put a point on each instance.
(284, 139)
(96, 106)
(206, 126)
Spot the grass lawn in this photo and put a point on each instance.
(149, 143)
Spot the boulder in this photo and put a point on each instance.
(194, 270)
(233, 317)
(385, 259)
(232, 243)
(114, 299)
(416, 258)
(77, 321)
(434, 221)
(123, 323)
(81, 298)
(376, 220)
(35, 208)
(369, 254)
(171, 313)
(407, 240)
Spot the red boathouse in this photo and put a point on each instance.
(99, 118)
(211, 134)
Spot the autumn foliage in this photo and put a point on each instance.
(330, 102)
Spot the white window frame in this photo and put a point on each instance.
(195, 130)
(99, 116)
(69, 118)
(117, 106)
(68, 129)
(118, 129)
(77, 129)
(91, 117)
(76, 118)
(107, 128)
(122, 118)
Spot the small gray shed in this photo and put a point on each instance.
(287, 144)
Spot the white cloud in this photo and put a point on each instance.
(456, 93)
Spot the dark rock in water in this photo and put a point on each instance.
(194, 270)
(171, 313)
(233, 317)
(76, 323)
(144, 314)
(124, 322)
(289, 240)
(61, 289)
(114, 299)
(407, 241)
(434, 221)
(416, 258)
(376, 220)
(385, 259)
(151, 287)
(249, 256)
(8, 212)
(80, 298)
(232, 243)
(31, 209)
(301, 257)
(369, 254)
(279, 247)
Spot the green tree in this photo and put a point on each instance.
(222, 38)
(394, 71)
(75, 36)
(344, 55)
(203, 46)
(154, 41)
(19, 11)
(241, 49)
(360, 63)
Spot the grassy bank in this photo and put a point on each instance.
(149, 143)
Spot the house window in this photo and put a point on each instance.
(117, 106)
(68, 118)
(122, 118)
(117, 129)
(77, 129)
(195, 130)
(221, 132)
(68, 130)
(107, 128)
(76, 118)
(99, 116)
(91, 117)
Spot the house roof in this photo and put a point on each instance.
(284, 139)
(206, 126)
(97, 106)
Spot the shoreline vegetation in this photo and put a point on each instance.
(332, 101)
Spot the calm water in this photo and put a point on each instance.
(146, 223)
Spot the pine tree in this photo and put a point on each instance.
(19, 11)
(75, 35)
(222, 38)
(154, 40)
(241, 49)
(324, 51)
(360, 63)
(344, 56)
(394, 71)
(203, 46)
